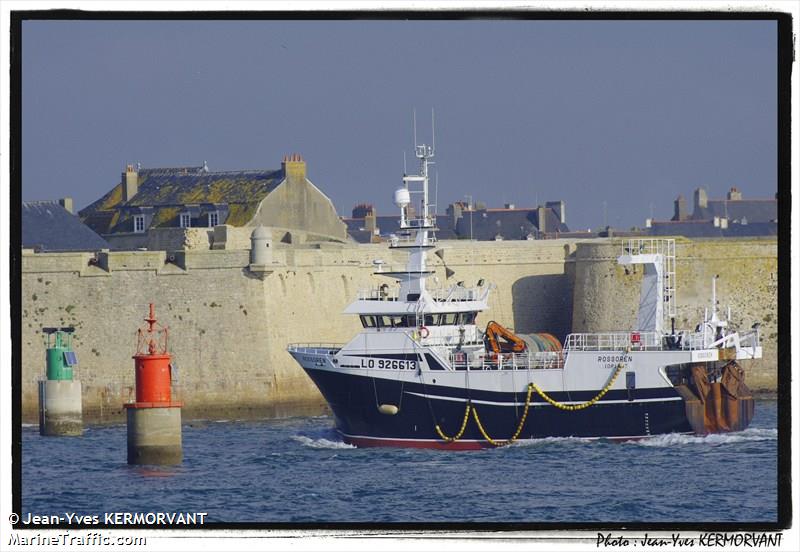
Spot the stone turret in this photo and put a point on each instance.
(261, 246)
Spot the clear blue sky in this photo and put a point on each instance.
(627, 113)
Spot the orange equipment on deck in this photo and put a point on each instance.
(501, 340)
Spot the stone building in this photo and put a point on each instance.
(193, 207)
(468, 221)
(729, 217)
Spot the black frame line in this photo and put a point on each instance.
(498, 529)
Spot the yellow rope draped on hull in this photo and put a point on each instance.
(531, 388)
(588, 403)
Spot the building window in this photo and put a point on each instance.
(186, 220)
(138, 223)
(213, 219)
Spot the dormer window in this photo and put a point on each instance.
(186, 220)
(213, 219)
(138, 224)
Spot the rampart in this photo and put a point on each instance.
(229, 325)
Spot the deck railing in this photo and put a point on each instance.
(380, 293)
(407, 240)
(453, 293)
(651, 341)
(507, 361)
(612, 341)
(459, 293)
(328, 349)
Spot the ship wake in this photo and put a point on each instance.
(714, 439)
(321, 442)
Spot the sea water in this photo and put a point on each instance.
(299, 470)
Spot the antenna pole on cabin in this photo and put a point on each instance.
(433, 132)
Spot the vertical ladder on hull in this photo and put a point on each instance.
(669, 278)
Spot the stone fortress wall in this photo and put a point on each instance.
(230, 322)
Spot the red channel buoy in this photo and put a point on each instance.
(154, 420)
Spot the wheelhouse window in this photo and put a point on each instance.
(431, 319)
(448, 319)
(392, 321)
(213, 219)
(467, 318)
(389, 321)
(138, 223)
(186, 220)
(368, 321)
(410, 320)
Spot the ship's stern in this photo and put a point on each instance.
(716, 397)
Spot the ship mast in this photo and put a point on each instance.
(416, 224)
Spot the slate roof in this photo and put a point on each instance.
(355, 229)
(749, 210)
(706, 229)
(163, 193)
(511, 224)
(47, 226)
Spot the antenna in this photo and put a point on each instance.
(405, 171)
(436, 195)
(433, 133)
(414, 118)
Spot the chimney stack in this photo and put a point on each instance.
(680, 209)
(130, 183)
(558, 209)
(361, 210)
(66, 203)
(370, 222)
(294, 167)
(541, 213)
(700, 199)
(734, 194)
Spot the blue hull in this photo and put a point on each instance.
(354, 401)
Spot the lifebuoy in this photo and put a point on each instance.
(423, 332)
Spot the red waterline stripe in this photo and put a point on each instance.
(412, 443)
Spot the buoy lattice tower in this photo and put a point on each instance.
(60, 406)
(154, 420)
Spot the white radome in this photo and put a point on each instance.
(402, 197)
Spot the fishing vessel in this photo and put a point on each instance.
(423, 373)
